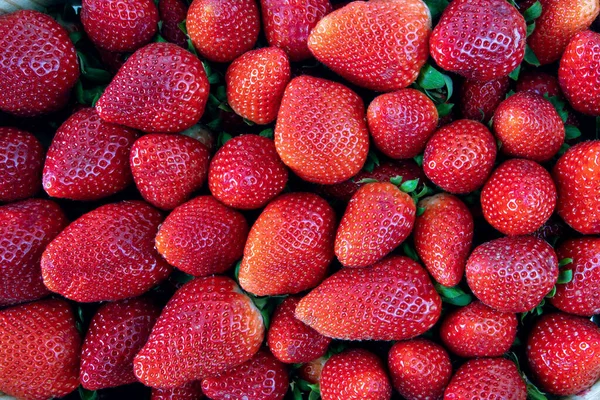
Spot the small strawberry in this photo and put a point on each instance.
(539, 83)
(113, 61)
(479, 100)
(188, 391)
(311, 371)
(172, 13)
(21, 160)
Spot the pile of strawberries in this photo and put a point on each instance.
(297, 199)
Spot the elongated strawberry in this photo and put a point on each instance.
(539, 83)
(172, 13)
(21, 160)
(189, 391)
(479, 99)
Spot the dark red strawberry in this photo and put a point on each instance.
(479, 99)
(113, 61)
(311, 371)
(189, 391)
(21, 160)
(539, 83)
(172, 13)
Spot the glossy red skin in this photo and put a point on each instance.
(420, 369)
(321, 132)
(379, 217)
(512, 274)
(31, 89)
(116, 333)
(221, 32)
(354, 303)
(188, 391)
(479, 99)
(26, 228)
(311, 371)
(106, 255)
(21, 160)
(539, 83)
(160, 88)
(290, 246)
(39, 351)
(380, 45)
(208, 327)
(563, 352)
(172, 13)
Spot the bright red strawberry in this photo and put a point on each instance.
(107, 254)
(378, 218)
(380, 45)
(479, 100)
(209, 326)
(160, 88)
(39, 350)
(512, 274)
(460, 156)
(167, 169)
(539, 83)
(21, 160)
(321, 132)
(117, 332)
(443, 236)
(564, 353)
(311, 371)
(172, 13)
(188, 391)
(373, 303)
(247, 173)
(290, 246)
(221, 31)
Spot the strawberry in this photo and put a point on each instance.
(311, 371)
(221, 31)
(188, 391)
(479, 100)
(379, 45)
(117, 332)
(290, 340)
(290, 246)
(39, 350)
(321, 132)
(160, 88)
(379, 217)
(519, 197)
(39, 64)
(247, 172)
(460, 156)
(172, 13)
(208, 327)
(401, 122)
(564, 353)
(420, 369)
(167, 169)
(255, 84)
(107, 254)
(443, 236)
(373, 303)
(539, 83)
(21, 160)
(512, 274)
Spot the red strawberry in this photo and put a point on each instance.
(167, 169)
(160, 88)
(39, 350)
(479, 39)
(117, 332)
(21, 159)
(221, 31)
(311, 371)
(321, 132)
(392, 300)
(539, 83)
(247, 172)
(564, 353)
(290, 340)
(420, 369)
(208, 327)
(188, 391)
(113, 61)
(379, 45)
(172, 13)
(107, 254)
(512, 274)
(443, 237)
(290, 246)
(402, 122)
(460, 156)
(378, 218)
(479, 100)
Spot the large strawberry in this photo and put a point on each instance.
(188, 391)
(539, 83)
(172, 13)
(21, 160)
(479, 100)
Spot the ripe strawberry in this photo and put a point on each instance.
(221, 31)
(378, 218)
(564, 353)
(167, 169)
(539, 83)
(373, 303)
(39, 350)
(321, 132)
(460, 156)
(160, 88)
(443, 236)
(188, 391)
(255, 83)
(401, 122)
(290, 246)
(208, 327)
(379, 45)
(512, 274)
(479, 100)
(117, 332)
(311, 371)
(107, 254)
(172, 13)
(39, 64)
(21, 159)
